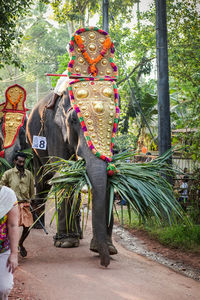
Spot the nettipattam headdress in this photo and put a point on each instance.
(93, 91)
(14, 113)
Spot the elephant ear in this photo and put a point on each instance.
(73, 127)
(60, 119)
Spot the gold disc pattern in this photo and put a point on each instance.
(93, 42)
(14, 94)
(98, 111)
(12, 122)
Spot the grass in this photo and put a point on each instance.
(184, 236)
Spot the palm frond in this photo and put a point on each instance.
(143, 185)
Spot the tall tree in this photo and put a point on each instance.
(11, 12)
(41, 46)
(164, 127)
(105, 15)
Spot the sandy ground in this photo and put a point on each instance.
(59, 274)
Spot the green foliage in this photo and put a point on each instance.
(181, 236)
(67, 185)
(78, 13)
(136, 51)
(193, 210)
(124, 142)
(73, 11)
(11, 13)
(63, 61)
(184, 236)
(4, 166)
(41, 45)
(147, 193)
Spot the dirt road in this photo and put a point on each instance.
(50, 273)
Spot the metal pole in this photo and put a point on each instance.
(164, 126)
(105, 15)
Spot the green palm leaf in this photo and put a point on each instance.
(147, 192)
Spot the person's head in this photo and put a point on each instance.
(148, 153)
(19, 160)
(185, 178)
(7, 200)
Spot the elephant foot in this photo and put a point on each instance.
(67, 243)
(81, 235)
(111, 247)
(104, 254)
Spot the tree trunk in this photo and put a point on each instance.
(164, 127)
(105, 15)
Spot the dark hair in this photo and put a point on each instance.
(185, 178)
(148, 153)
(19, 154)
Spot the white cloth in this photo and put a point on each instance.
(7, 200)
(62, 84)
(6, 278)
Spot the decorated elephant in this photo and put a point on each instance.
(13, 123)
(83, 123)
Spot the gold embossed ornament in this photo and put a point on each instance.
(98, 115)
(94, 96)
(14, 111)
(91, 52)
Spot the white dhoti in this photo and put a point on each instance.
(6, 278)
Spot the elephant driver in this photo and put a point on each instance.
(61, 86)
(21, 182)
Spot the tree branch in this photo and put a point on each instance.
(134, 69)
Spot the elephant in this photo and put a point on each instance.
(65, 138)
(18, 145)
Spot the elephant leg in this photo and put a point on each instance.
(99, 230)
(68, 232)
(112, 249)
(38, 204)
(78, 222)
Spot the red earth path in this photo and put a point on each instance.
(50, 273)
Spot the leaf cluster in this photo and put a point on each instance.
(11, 12)
(146, 191)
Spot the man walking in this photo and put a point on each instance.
(21, 182)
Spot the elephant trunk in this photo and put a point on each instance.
(96, 170)
(97, 173)
(11, 151)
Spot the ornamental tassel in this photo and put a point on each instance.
(111, 169)
(2, 153)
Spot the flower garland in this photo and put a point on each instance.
(14, 104)
(73, 54)
(92, 62)
(82, 122)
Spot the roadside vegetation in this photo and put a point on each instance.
(184, 235)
